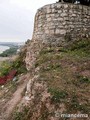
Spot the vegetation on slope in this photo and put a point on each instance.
(18, 64)
(67, 74)
(9, 52)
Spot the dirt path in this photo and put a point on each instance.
(16, 97)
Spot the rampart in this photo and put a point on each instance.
(62, 20)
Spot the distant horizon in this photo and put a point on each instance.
(12, 42)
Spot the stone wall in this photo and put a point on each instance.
(61, 20)
(57, 25)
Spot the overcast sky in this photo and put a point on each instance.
(17, 18)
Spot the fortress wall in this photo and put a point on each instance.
(62, 20)
(57, 25)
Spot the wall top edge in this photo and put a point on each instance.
(59, 4)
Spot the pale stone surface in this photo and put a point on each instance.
(47, 31)
(63, 14)
(49, 10)
(66, 6)
(62, 31)
(52, 31)
(57, 31)
(55, 21)
(59, 11)
(49, 19)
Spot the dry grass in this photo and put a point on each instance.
(63, 70)
(66, 72)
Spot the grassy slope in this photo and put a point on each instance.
(67, 73)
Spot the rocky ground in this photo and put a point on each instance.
(57, 83)
(11, 94)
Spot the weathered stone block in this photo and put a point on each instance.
(62, 31)
(47, 15)
(65, 6)
(57, 31)
(49, 19)
(49, 10)
(51, 31)
(60, 18)
(54, 10)
(59, 11)
(47, 31)
(63, 14)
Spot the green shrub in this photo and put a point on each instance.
(74, 105)
(83, 79)
(9, 52)
(58, 95)
(18, 116)
(5, 67)
(19, 65)
(22, 115)
(50, 67)
(81, 44)
(45, 51)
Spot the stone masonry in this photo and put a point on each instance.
(60, 20)
(57, 24)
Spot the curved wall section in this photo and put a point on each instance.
(61, 20)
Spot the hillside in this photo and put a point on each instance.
(60, 83)
(56, 84)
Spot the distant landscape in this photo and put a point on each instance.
(10, 48)
(10, 44)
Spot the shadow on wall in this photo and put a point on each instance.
(83, 2)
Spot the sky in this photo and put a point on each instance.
(17, 18)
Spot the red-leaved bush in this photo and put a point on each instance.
(8, 77)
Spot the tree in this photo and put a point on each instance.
(83, 2)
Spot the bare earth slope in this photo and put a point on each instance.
(60, 84)
(11, 95)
